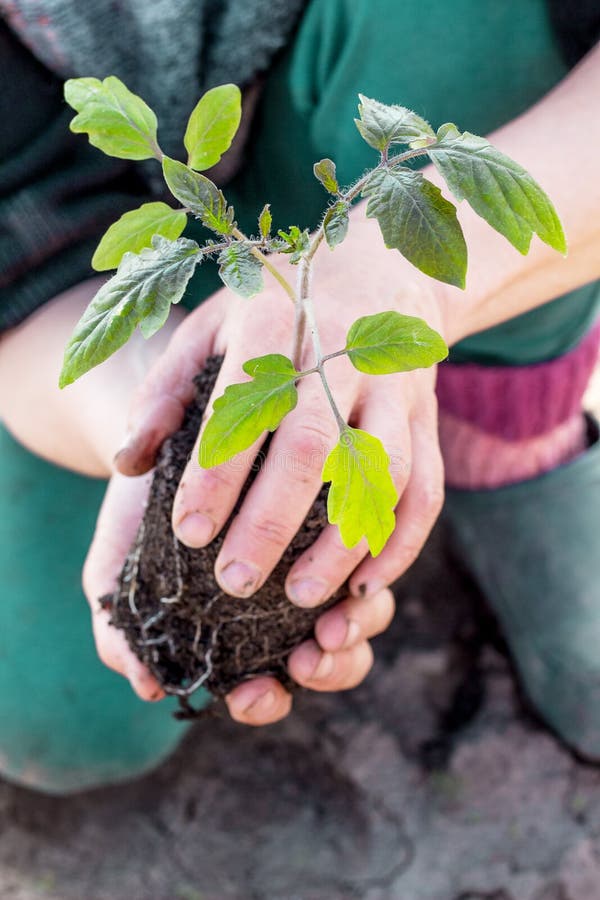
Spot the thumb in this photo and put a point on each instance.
(159, 403)
(118, 521)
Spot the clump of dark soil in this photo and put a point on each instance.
(176, 618)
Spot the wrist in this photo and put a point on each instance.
(82, 426)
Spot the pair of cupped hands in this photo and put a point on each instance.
(400, 409)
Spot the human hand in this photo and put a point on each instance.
(340, 633)
(399, 409)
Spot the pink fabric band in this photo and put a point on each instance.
(519, 402)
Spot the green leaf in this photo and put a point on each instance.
(294, 242)
(116, 121)
(265, 220)
(390, 342)
(325, 173)
(335, 223)
(362, 495)
(200, 195)
(212, 125)
(497, 188)
(141, 293)
(240, 270)
(134, 231)
(382, 125)
(245, 411)
(416, 220)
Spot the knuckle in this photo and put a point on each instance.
(264, 530)
(312, 441)
(337, 550)
(431, 499)
(213, 481)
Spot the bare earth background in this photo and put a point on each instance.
(432, 781)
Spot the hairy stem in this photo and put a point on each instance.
(308, 319)
(302, 297)
(287, 287)
(386, 163)
(298, 335)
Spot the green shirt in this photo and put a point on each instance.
(478, 63)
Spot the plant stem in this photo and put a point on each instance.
(333, 355)
(307, 318)
(298, 335)
(354, 190)
(213, 248)
(302, 298)
(271, 268)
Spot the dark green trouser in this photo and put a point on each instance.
(66, 721)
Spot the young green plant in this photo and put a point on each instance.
(155, 263)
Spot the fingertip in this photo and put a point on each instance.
(143, 683)
(260, 701)
(310, 663)
(154, 418)
(195, 530)
(336, 631)
(136, 457)
(330, 671)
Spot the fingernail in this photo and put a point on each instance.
(239, 578)
(133, 457)
(308, 592)
(196, 530)
(122, 453)
(352, 633)
(324, 667)
(262, 704)
(316, 664)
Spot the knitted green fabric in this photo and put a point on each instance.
(57, 194)
(168, 52)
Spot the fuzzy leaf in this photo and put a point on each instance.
(141, 293)
(199, 194)
(116, 121)
(265, 220)
(325, 173)
(381, 125)
(335, 223)
(245, 411)
(212, 125)
(240, 270)
(497, 188)
(390, 342)
(362, 495)
(415, 219)
(294, 242)
(134, 231)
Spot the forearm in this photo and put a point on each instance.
(557, 141)
(82, 426)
